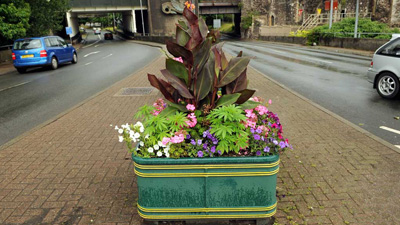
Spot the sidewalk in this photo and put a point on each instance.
(6, 67)
(73, 170)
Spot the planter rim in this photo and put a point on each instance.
(216, 160)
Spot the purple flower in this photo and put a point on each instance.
(256, 137)
(193, 142)
(262, 138)
(219, 152)
(199, 142)
(200, 154)
(252, 130)
(282, 144)
(266, 149)
(258, 130)
(188, 136)
(215, 141)
(205, 133)
(205, 146)
(258, 153)
(275, 142)
(213, 149)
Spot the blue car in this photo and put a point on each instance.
(42, 51)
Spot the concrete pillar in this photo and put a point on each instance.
(133, 22)
(72, 21)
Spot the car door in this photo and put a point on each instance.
(56, 48)
(64, 49)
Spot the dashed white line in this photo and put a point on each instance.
(20, 84)
(90, 54)
(91, 44)
(88, 63)
(390, 129)
(107, 56)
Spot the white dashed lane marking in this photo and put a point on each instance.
(90, 54)
(390, 129)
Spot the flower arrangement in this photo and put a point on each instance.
(208, 112)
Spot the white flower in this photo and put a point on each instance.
(141, 129)
(151, 150)
(156, 147)
(137, 135)
(116, 127)
(166, 150)
(121, 138)
(147, 136)
(167, 155)
(134, 139)
(159, 153)
(138, 123)
(120, 131)
(132, 134)
(141, 143)
(160, 144)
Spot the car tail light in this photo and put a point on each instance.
(43, 53)
(372, 63)
(13, 56)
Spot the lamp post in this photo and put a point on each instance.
(331, 15)
(141, 12)
(356, 25)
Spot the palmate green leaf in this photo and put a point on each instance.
(235, 68)
(169, 111)
(178, 69)
(144, 112)
(227, 99)
(177, 121)
(223, 146)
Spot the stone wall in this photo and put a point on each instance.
(161, 23)
(5, 55)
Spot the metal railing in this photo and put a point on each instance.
(5, 47)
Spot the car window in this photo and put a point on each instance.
(391, 49)
(27, 44)
(54, 42)
(47, 42)
(62, 42)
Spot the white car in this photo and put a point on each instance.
(384, 72)
(97, 30)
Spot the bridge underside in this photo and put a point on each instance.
(206, 10)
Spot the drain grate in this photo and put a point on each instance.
(135, 91)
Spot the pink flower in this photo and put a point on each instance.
(250, 114)
(274, 125)
(261, 109)
(166, 140)
(250, 123)
(190, 107)
(178, 59)
(192, 120)
(155, 112)
(270, 102)
(177, 138)
(255, 99)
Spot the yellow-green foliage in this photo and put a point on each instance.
(302, 33)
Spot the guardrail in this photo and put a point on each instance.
(5, 47)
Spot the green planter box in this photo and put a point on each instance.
(206, 188)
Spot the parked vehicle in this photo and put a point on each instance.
(42, 51)
(384, 72)
(108, 36)
(97, 30)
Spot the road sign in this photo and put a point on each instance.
(68, 30)
(217, 23)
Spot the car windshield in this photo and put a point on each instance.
(27, 44)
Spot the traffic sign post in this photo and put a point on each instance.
(68, 30)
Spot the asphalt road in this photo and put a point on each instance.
(30, 99)
(335, 81)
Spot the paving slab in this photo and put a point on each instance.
(73, 170)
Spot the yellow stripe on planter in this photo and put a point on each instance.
(186, 210)
(232, 174)
(230, 216)
(214, 166)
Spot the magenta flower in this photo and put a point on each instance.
(190, 107)
(256, 137)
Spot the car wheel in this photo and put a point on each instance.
(388, 85)
(74, 58)
(54, 63)
(21, 70)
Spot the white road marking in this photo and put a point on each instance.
(91, 44)
(305, 57)
(107, 56)
(17, 85)
(318, 60)
(88, 63)
(398, 146)
(390, 129)
(90, 54)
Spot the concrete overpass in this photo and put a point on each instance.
(160, 16)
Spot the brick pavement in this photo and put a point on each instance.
(74, 171)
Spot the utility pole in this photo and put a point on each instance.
(197, 7)
(114, 22)
(356, 25)
(331, 15)
(141, 12)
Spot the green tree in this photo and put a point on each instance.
(47, 16)
(14, 20)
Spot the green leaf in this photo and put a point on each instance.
(245, 95)
(177, 69)
(180, 108)
(177, 84)
(182, 37)
(179, 51)
(227, 99)
(201, 54)
(169, 111)
(203, 28)
(249, 105)
(235, 68)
